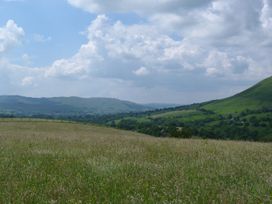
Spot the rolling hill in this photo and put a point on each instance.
(244, 116)
(254, 98)
(65, 106)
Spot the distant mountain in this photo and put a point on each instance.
(256, 97)
(64, 106)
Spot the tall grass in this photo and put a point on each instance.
(58, 162)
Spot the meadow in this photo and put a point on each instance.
(59, 162)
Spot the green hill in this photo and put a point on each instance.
(254, 98)
(60, 162)
(65, 106)
(245, 116)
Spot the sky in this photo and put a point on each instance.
(163, 51)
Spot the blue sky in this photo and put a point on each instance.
(55, 22)
(171, 51)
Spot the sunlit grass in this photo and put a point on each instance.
(58, 162)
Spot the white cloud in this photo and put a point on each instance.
(14, 78)
(77, 66)
(202, 28)
(266, 16)
(114, 50)
(10, 35)
(143, 71)
(68, 67)
(26, 59)
(41, 38)
(138, 6)
(26, 81)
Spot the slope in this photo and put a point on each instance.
(256, 97)
(59, 162)
(245, 116)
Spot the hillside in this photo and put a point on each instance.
(60, 162)
(254, 98)
(66, 106)
(245, 116)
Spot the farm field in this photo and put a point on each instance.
(59, 162)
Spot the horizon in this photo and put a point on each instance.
(147, 103)
(45, 97)
(174, 51)
(93, 97)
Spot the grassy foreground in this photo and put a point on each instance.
(58, 162)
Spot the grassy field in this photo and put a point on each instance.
(59, 162)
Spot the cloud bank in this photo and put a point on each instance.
(187, 50)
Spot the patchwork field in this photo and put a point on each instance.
(61, 162)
